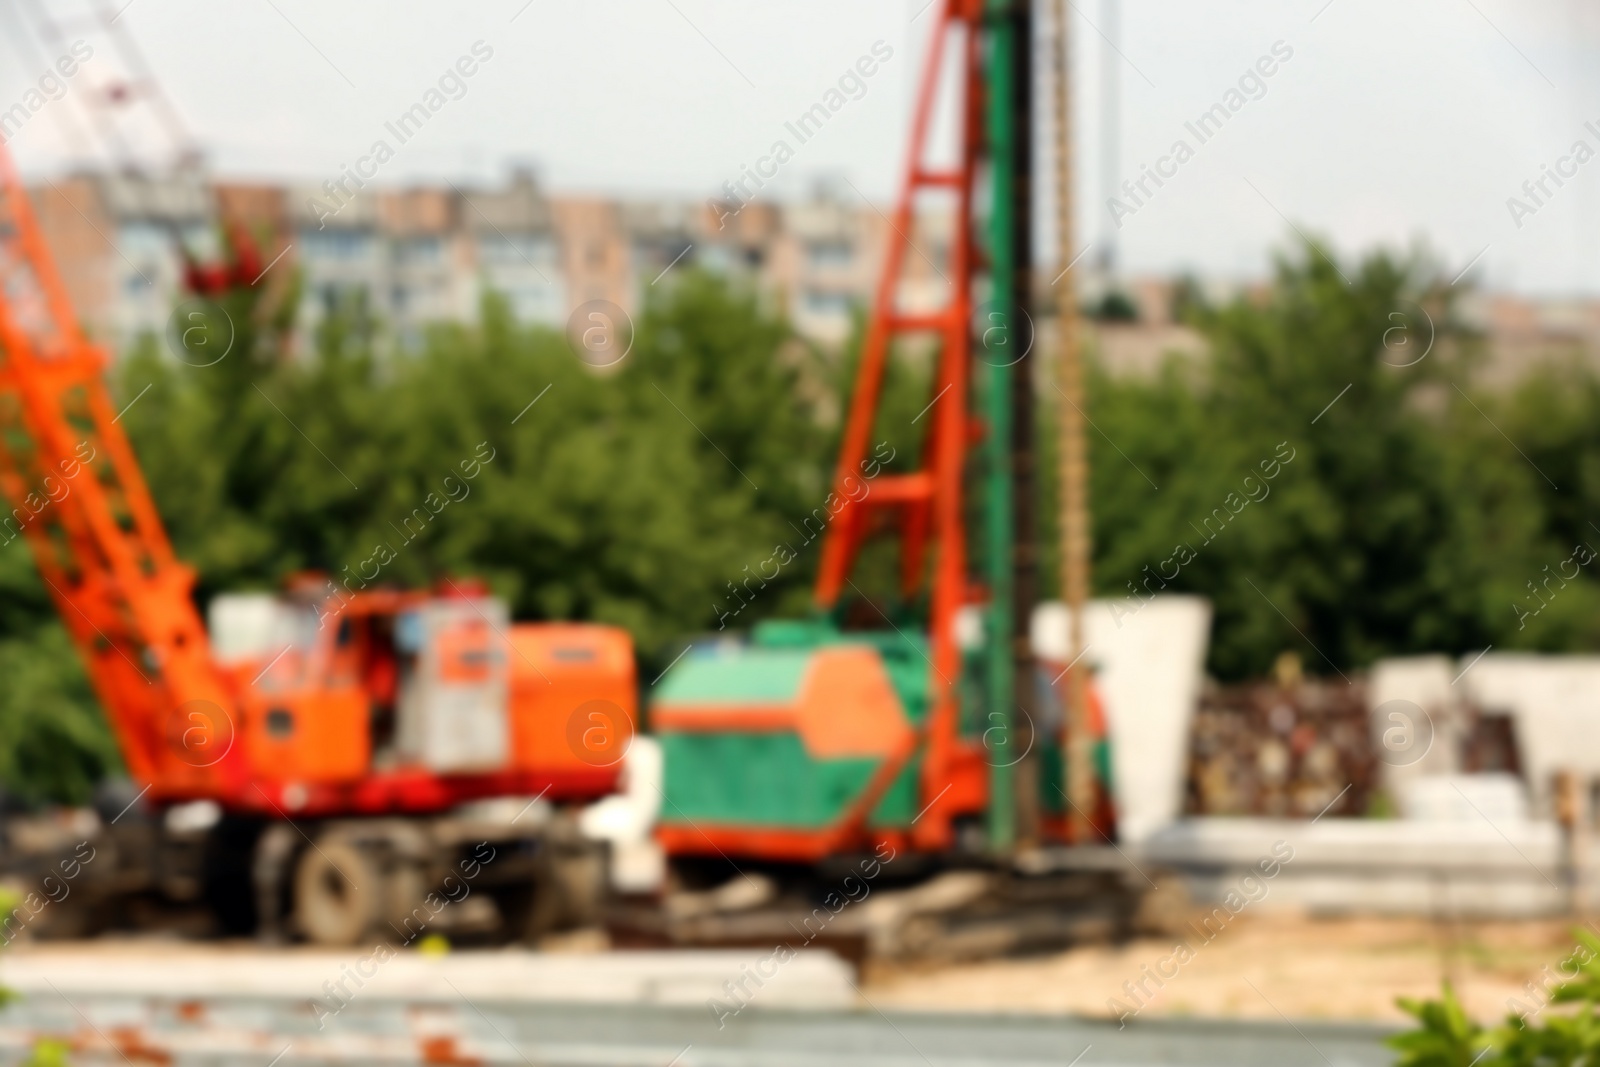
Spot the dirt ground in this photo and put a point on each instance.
(1262, 967)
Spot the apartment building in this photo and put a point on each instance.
(515, 251)
(825, 263)
(426, 254)
(416, 256)
(116, 240)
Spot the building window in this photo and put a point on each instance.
(342, 245)
(717, 259)
(340, 297)
(651, 256)
(827, 304)
(517, 249)
(830, 255)
(420, 250)
(537, 304)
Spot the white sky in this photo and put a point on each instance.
(1393, 123)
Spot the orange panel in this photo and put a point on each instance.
(717, 718)
(318, 736)
(574, 702)
(848, 706)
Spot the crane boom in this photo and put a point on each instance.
(81, 503)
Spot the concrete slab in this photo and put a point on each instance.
(1417, 719)
(1510, 869)
(1554, 702)
(1149, 659)
(812, 979)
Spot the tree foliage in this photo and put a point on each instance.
(629, 496)
(1406, 521)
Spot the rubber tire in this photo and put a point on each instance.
(338, 893)
(529, 910)
(583, 879)
(567, 891)
(405, 889)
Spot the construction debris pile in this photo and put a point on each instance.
(1290, 747)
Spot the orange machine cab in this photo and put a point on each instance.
(406, 682)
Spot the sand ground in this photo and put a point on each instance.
(1261, 967)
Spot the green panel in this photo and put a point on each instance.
(770, 670)
(765, 779)
(906, 660)
(793, 633)
(748, 676)
(755, 779)
(1053, 791)
(1052, 783)
(899, 806)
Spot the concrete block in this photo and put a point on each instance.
(1149, 662)
(1554, 702)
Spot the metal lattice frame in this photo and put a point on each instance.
(926, 508)
(81, 503)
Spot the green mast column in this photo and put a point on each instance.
(1003, 334)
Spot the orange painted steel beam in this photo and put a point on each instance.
(927, 506)
(82, 505)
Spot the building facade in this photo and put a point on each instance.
(416, 256)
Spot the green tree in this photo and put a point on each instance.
(53, 741)
(1403, 521)
(632, 495)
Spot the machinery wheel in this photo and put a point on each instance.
(404, 890)
(583, 881)
(566, 891)
(338, 893)
(548, 908)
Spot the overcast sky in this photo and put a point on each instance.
(1391, 123)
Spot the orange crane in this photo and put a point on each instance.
(410, 704)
